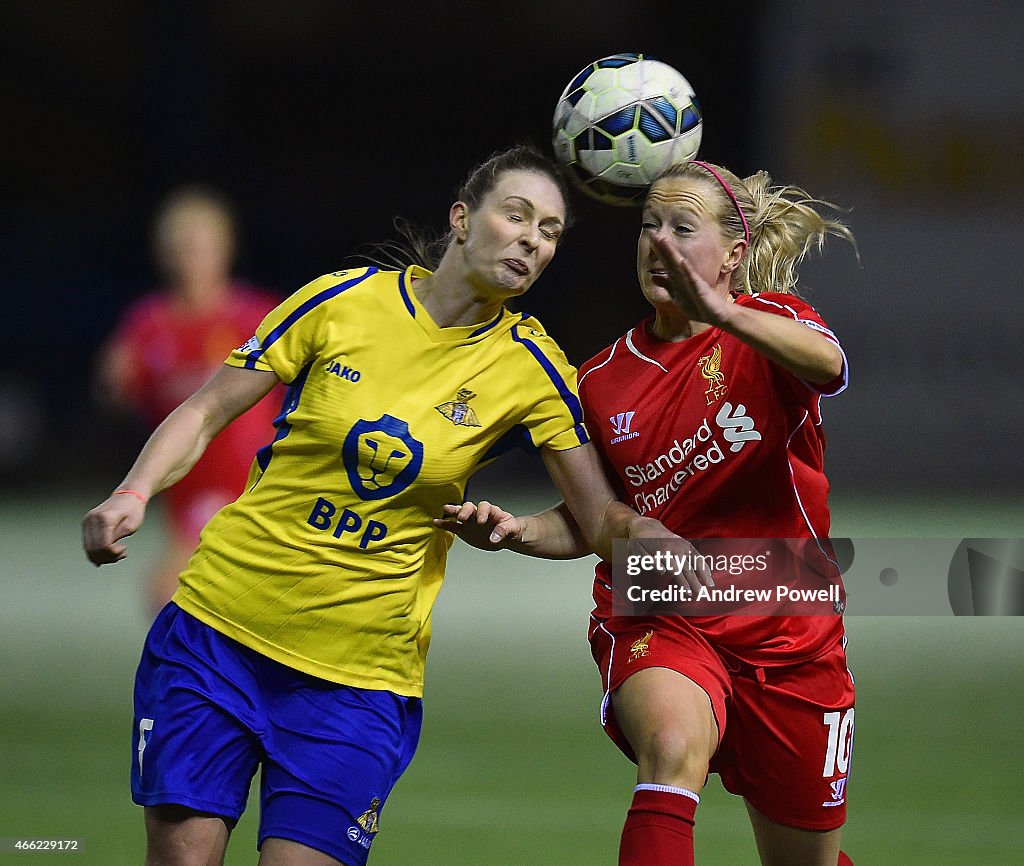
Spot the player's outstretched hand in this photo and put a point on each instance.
(683, 564)
(483, 525)
(104, 527)
(691, 293)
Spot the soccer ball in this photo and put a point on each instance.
(622, 121)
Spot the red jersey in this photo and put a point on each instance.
(171, 352)
(716, 441)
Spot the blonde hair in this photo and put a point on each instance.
(784, 223)
(184, 202)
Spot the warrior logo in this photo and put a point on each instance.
(710, 367)
(640, 648)
(620, 427)
(621, 422)
(458, 412)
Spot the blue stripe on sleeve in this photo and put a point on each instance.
(572, 402)
(299, 312)
(289, 405)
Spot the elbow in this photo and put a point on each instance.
(829, 367)
(835, 363)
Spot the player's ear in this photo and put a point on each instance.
(739, 249)
(458, 219)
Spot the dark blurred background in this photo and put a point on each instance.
(325, 120)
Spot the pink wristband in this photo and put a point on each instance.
(134, 493)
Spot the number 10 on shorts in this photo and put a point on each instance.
(840, 742)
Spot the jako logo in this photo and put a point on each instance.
(737, 427)
(620, 427)
(343, 371)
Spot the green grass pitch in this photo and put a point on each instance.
(513, 768)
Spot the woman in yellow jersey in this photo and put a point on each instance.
(297, 637)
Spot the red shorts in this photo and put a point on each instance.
(785, 733)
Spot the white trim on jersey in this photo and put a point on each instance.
(825, 332)
(637, 352)
(611, 355)
(611, 655)
(846, 640)
(796, 493)
(796, 317)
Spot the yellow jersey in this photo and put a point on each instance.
(329, 562)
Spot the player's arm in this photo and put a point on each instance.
(173, 449)
(550, 534)
(591, 502)
(113, 376)
(588, 520)
(585, 522)
(802, 351)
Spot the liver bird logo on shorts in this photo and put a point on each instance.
(368, 820)
(640, 648)
(710, 367)
(458, 412)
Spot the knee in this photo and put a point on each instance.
(672, 756)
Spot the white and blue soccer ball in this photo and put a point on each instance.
(622, 121)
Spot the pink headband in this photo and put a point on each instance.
(731, 194)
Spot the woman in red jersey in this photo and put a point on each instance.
(169, 342)
(707, 417)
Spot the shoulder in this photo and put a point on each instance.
(250, 295)
(785, 305)
(610, 356)
(531, 333)
(600, 359)
(328, 288)
(780, 303)
(154, 302)
(146, 313)
(337, 282)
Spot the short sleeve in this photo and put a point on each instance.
(292, 334)
(792, 307)
(555, 420)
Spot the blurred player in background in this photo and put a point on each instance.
(764, 701)
(298, 637)
(169, 343)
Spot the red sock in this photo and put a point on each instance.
(659, 828)
(844, 860)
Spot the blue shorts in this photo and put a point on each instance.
(209, 711)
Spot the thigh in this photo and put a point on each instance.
(625, 646)
(193, 743)
(668, 720)
(177, 836)
(789, 742)
(334, 754)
